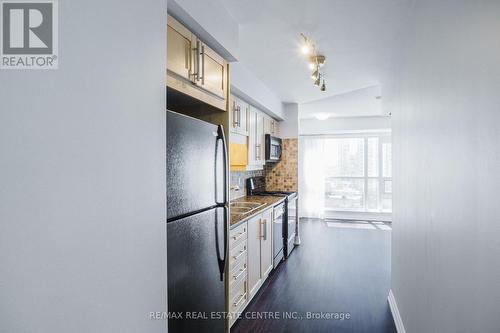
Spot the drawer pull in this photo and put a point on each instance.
(237, 303)
(236, 277)
(239, 235)
(239, 255)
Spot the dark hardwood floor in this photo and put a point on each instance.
(335, 270)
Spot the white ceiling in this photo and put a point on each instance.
(356, 37)
(358, 103)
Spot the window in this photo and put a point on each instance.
(358, 173)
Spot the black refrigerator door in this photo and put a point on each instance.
(195, 246)
(195, 166)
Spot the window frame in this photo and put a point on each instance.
(383, 137)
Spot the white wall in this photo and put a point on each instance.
(246, 85)
(289, 127)
(343, 125)
(82, 160)
(446, 134)
(212, 22)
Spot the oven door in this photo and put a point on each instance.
(278, 234)
(291, 224)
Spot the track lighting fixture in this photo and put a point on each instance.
(315, 74)
(316, 61)
(317, 81)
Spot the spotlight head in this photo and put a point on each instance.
(306, 49)
(315, 75)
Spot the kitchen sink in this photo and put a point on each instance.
(245, 207)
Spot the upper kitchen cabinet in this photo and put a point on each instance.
(238, 115)
(193, 68)
(179, 51)
(212, 71)
(255, 139)
(271, 126)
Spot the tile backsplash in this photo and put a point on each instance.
(281, 176)
(239, 184)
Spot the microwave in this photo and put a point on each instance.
(273, 148)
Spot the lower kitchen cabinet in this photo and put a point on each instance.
(254, 277)
(266, 244)
(237, 277)
(250, 259)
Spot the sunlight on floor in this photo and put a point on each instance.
(367, 225)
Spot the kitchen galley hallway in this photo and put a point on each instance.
(340, 268)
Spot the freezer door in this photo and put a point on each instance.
(195, 247)
(195, 165)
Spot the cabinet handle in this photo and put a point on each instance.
(236, 277)
(239, 116)
(196, 51)
(238, 110)
(238, 236)
(264, 226)
(257, 152)
(187, 56)
(237, 303)
(235, 115)
(203, 64)
(239, 255)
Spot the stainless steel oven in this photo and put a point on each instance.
(291, 219)
(279, 218)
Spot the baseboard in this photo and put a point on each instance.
(395, 313)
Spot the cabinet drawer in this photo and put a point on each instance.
(237, 235)
(237, 255)
(238, 273)
(238, 297)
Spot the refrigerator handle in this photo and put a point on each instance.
(226, 227)
(221, 136)
(222, 261)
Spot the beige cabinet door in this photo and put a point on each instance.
(234, 104)
(238, 115)
(259, 137)
(243, 118)
(179, 49)
(254, 276)
(277, 129)
(213, 72)
(252, 130)
(267, 125)
(273, 127)
(266, 245)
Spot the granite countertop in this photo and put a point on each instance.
(269, 201)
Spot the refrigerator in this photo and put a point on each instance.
(197, 224)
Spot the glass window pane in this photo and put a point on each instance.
(387, 160)
(344, 193)
(388, 186)
(344, 157)
(372, 194)
(386, 202)
(372, 157)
